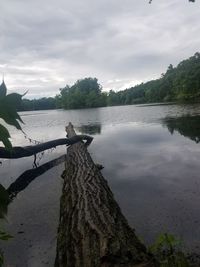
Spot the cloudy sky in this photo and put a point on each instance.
(46, 44)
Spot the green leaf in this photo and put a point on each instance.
(9, 114)
(5, 236)
(4, 137)
(3, 90)
(14, 99)
(8, 109)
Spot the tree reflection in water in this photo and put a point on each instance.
(7, 195)
(188, 126)
(89, 129)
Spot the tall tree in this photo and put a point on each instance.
(85, 93)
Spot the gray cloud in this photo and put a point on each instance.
(47, 44)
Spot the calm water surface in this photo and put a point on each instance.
(151, 160)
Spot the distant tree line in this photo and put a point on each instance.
(181, 83)
(38, 104)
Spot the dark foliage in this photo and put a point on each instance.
(8, 113)
(85, 93)
(180, 83)
(188, 126)
(38, 104)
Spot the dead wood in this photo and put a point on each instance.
(27, 151)
(92, 230)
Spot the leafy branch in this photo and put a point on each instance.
(168, 252)
(8, 112)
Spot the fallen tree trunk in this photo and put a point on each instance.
(27, 151)
(92, 230)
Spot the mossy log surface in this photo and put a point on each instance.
(92, 230)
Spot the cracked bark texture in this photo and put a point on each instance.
(92, 230)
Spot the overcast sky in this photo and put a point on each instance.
(46, 44)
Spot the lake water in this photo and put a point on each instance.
(151, 159)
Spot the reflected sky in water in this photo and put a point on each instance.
(155, 178)
(150, 156)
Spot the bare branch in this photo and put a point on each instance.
(27, 151)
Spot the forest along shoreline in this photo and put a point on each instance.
(178, 84)
(87, 93)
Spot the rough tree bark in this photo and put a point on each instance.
(92, 230)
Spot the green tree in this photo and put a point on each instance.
(84, 93)
(181, 83)
(44, 103)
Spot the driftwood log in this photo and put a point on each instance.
(27, 151)
(92, 230)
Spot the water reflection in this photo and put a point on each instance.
(4, 201)
(153, 174)
(90, 129)
(155, 179)
(188, 126)
(28, 176)
(7, 195)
